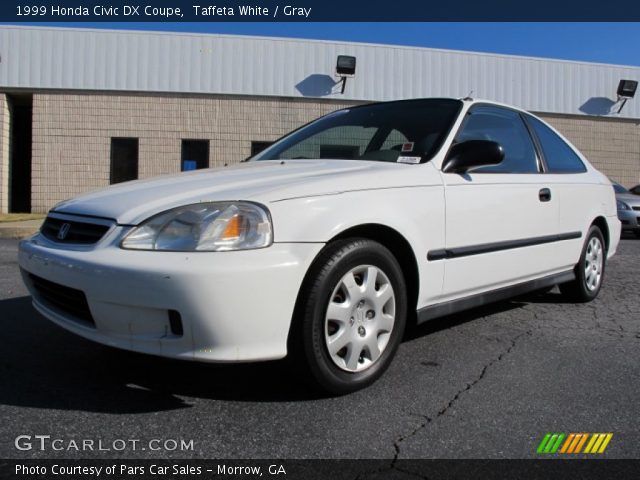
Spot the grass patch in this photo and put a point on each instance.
(20, 217)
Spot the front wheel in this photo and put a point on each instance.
(589, 270)
(352, 316)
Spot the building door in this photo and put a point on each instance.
(124, 159)
(21, 107)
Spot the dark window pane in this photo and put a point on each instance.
(507, 128)
(559, 156)
(339, 151)
(257, 147)
(124, 159)
(195, 154)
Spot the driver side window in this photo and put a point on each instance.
(508, 129)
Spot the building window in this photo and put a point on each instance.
(257, 147)
(124, 159)
(195, 154)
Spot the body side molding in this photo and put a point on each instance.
(446, 253)
(446, 308)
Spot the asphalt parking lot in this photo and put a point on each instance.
(488, 383)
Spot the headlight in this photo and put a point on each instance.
(216, 226)
(622, 205)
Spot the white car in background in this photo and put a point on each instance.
(326, 244)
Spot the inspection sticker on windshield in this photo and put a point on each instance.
(402, 159)
(407, 147)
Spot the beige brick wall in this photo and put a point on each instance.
(4, 153)
(72, 135)
(611, 145)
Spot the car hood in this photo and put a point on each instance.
(265, 181)
(629, 198)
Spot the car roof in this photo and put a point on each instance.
(466, 101)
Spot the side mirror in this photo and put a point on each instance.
(471, 154)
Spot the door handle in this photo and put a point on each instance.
(544, 195)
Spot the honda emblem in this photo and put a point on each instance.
(64, 230)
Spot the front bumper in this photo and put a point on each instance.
(234, 306)
(630, 220)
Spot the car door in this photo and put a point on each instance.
(500, 220)
(567, 176)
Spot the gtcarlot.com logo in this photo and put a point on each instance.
(45, 443)
(573, 443)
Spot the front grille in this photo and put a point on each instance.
(77, 231)
(68, 300)
(636, 208)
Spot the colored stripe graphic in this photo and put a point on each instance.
(550, 443)
(576, 439)
(567, 442)
(581, 443)
(596, 446)
(607, 439)
(555, 447)
(593, 439)
(543, 443)
(598, 442)
(573, 443)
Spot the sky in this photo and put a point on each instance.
(616, 43)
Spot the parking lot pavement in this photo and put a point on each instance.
(485, 383)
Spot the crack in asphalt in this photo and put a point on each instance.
(615, 330)
(426, 420)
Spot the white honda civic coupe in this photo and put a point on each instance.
(327, 244)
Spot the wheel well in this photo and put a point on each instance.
(601, 223)
(399, 247)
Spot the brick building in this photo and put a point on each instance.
(80, 109)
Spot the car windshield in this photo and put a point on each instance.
(619, 188)
(408, 131)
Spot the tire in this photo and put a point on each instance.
(589, 270)
(637, 232)
(351, 315)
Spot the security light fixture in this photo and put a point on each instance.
(345, 67)
(626, 90)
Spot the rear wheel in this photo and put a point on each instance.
(352, 315)
(589, 270)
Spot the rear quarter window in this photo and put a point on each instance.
(558, 155)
